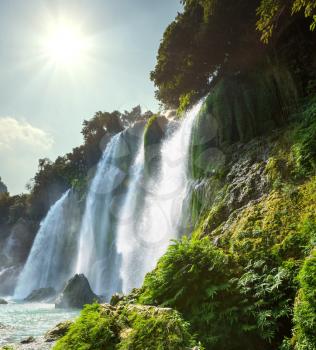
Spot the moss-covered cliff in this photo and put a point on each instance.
(246, 277)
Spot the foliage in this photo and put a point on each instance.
(185, 101)
(128, 118)
(131, 327)
(270, 13)
(208, 38)
(157, 330)
(211, 40)
(305, 307)
(90, 331)
(304, 148)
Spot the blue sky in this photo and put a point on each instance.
(42, 106)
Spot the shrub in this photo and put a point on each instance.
(127, 327)
(305, 307)
(90, 331)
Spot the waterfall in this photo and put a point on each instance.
(50, 262)
(144, 231)
(130, 216)
(97, 256)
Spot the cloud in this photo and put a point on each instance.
(15, 133)
(21, 145)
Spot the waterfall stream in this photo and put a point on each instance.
(50, 262)
(144, 232)
(97, 256)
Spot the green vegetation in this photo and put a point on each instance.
(132, 327)
(305, 307)
(270, 11)
(211, 40)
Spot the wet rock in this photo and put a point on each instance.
(28, 340)
(42, 294)
(3, 302)
(116, 298)
(58, 331)
(76, 294)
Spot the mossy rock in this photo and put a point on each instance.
(127, 326)
(239, 108)
(154, 133)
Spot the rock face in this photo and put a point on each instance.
(3, 302)
(58, 331)
(42, 294)
(76, 294)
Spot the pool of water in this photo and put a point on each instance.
(19, 321)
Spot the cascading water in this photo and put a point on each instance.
(97, 256)
(143, 237)
(50, 262)
(129, 219)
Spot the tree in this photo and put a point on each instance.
(212, 39)
(135, 115)
(271, 12)
(102, 122)
(208, 39)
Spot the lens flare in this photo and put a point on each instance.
(65, 45)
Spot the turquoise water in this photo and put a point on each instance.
(19, 321)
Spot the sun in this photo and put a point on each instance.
(65, 44)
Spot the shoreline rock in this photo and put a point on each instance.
(58, 331)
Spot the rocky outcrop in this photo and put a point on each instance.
(3, 302)
(76, 294)
(42, 294)
(154, 133)
(58, 331)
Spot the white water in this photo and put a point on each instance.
(49, 261)
(146, 227)
(129, 219)
(97, 255)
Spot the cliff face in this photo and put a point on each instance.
(245, 278)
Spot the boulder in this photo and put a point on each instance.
(58, 331)
(41, 294)
(76, 294)
(3, 302)
(28, 340)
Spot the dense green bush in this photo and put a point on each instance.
(90, 331)
(227, 306)
(305, 307)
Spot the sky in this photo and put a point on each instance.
(47, 88)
